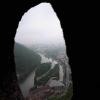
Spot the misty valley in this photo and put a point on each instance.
(42, 65)
(37, 70)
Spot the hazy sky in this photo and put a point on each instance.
(39, 25)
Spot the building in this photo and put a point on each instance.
(57, 86)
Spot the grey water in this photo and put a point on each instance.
(29, 82)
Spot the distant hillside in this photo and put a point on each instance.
(26, 61)
(52, 73)
(50, 51)
(42, 69)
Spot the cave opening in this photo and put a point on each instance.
(40, 31)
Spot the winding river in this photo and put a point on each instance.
(29, 82)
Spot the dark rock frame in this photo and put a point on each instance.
(66, 12)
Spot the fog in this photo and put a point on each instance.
(39, 25)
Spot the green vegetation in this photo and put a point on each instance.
(67, 96)
(52, 73)
(43, 68)
(26, 61)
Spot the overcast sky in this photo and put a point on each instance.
(39, 24)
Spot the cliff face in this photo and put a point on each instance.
(26, 61)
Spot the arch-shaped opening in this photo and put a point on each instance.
(40, 54)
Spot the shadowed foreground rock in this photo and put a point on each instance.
(11, 92)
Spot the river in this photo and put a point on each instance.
(29, 82)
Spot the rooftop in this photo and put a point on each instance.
(54, 83)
